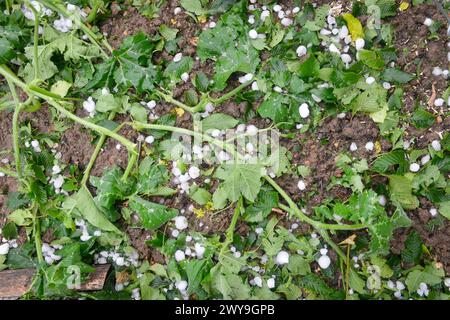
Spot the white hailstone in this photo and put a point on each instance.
(4, 248)
(89, 105)
(296, 10)
(423, 290)
(120, 261)
(428, 22)
(62, 24)
(433, 212)
(414, 167)
(447, 282)
(331, 20)
(316, 98)
(370, 80)
(369, 146)
(251, 19)
(181, 222)
(301, 185)
(277, 89)
(249, 147)
(149, 139)
(281, 15)
(400, 286)
(177, 10)
(301, 51)
(439, 102)
(437, 71)
(58, 182)
(253, 34)
(425, 159)
(325, 32)
(85, 237)
(257, 281)
(259, 230)
(299, 126)
(194, 172)
(264, 14)
(334, 49)
(248, 77)
(436, 145)
(324, 261)
(386, 85)
(176, 171)
(323, 251)
(353, 147)
(343, 32)
(105, 91)
(252, 130)
(346, 58)
(118, 146)
(335, 31)
(445, 74)
(448, 56)
(179, 255)
(181, 285)
(56, 169)
(2, 174)
(255, 86)
(151, 104)
(271, 283)
(212, 24)
(347, 39)
(215, 133)
(359, 44)
(276, 8)
(199, 250)
(303, 110)
(185, 76)
(177, 57)
(237, 254)
(188, 251)
(282, 258)
(286, 22)
(175, 233)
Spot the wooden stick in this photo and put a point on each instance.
(15, 283)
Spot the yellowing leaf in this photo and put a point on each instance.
(179, 112)
(354, 26)
(403, 6)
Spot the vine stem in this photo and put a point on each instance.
(296, 211)
(9, 172)
(51, 99)
(95, 154)
(230, 230)
(15, 128)
(230, 94)
(37, 236)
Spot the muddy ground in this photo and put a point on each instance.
(307, 149)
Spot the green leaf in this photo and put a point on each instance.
(21, 217)
(152, 177)
(258, 211)
(219, 121)
(401, 191)
(397, 76)
(309, 68)
(430, 275)
(85, 204)
(356, 283)
(107, 102)
(384, 162)
(200, 195)
(194, 6)
(422, 118)
(110, 188)
(152, 215)
(412, 252)
(168, 33)
(241, 180)
(174, 70)
(61, 88)
(298, 265)
(371, 59)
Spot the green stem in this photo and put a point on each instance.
(95, 154)
(93, 14)
(296, 211)
(169, 99)
(131, 162)
(37, 236)
(35, 41)
(230, 231)
(230, 94)
(15, 128)
(9, 172)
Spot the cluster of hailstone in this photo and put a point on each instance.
(398, 287)
(65, 24)
(415, 167)
(48, 251)
(82, 226)
(209, 108)
(150, 105)
(43, 11)
(120, 259)
(34, 144)
(89, 106)
(258, 282)
(194, 249)
(182, 179)
(6, 244)
(324, 260)
(285, 15)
